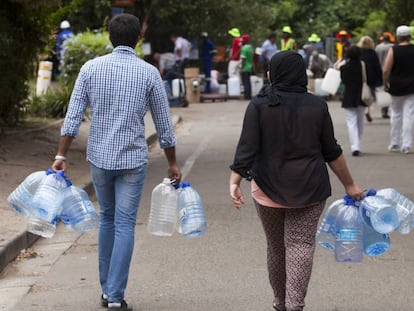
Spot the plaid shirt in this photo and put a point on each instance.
(120, 88)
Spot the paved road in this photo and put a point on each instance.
(224, 270)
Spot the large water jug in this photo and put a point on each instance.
(178, 88)
(403, 206)
(348, 244)
(326, 233)
(21, 198)
(78, 212)
(331, 81)
(191, 211)
(374, 243)
(379, 213)
(47, 204)
(163, 214)
(318, 88)
(233, 86)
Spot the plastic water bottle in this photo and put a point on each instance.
(403, 206)
(191, 212)
(326, 233)
(348, 243)
(374, 243)
(163, 213)
(21, 198)
(47, 204)
(379, 213)
(78, 212)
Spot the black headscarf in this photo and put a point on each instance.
(287, 74)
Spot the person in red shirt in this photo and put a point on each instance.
(234, 57)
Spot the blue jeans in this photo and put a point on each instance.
(118, 193)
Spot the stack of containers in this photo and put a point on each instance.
(45, 197)
(177, 207)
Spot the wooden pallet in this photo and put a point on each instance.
(213, 97)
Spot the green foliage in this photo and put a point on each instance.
(24, 31)
(83, 47)
(53, 103)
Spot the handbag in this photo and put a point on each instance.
(366, 95)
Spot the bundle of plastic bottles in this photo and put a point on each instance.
(45, 197)
(176, 208)
(353, 228)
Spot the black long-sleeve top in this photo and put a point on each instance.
(285, 147)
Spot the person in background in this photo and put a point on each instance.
(165, 63)
(287, 42)
(246, 56)
(208, 50)
(117, 150)
(372, 67)
(314, 44)
(387, 40)
(344, 42)
(351, 76)
(182, 49)
(398, 80)
(63, 34)
(319, 63)
(286, 140)
(234, 57)
(269, 48)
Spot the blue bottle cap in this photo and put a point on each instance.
(185, 184)
(348, 200)
(371, 192)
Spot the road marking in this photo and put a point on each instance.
(192, 158)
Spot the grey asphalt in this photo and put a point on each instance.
(225, 270)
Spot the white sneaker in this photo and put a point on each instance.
(405, 150)
(393, 148)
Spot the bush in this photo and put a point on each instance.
(83, 47)
(53, 103)
(77, 50)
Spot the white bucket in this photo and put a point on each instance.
(176, 89)
(256, 83)
(331, 81)
(383, 99)
(233, 86)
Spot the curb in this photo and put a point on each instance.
(26, 239)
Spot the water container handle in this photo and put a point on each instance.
(348, 200)
(61, 174)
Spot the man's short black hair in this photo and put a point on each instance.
(124, 29)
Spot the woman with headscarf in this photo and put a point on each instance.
(286, 140)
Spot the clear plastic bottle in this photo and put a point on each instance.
(21, 198)
(326, 233)
(374, 243)
(78, 212)
(403, 206)
(379, 213)
(163, 214)
(191, 211)
(47, 204)
(348, 243)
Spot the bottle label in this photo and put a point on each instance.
(348, 234)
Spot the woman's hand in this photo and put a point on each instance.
(236, 195)
(354, 192)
